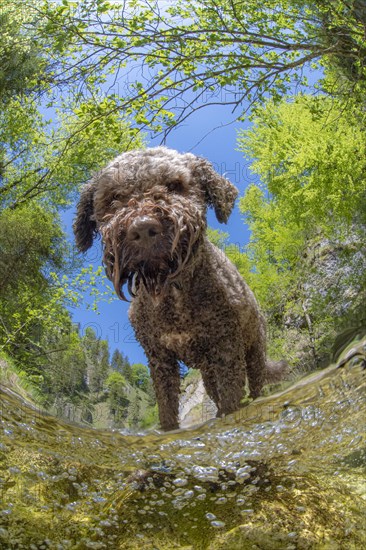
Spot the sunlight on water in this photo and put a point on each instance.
(285, 472)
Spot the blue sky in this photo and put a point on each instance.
(198, 136)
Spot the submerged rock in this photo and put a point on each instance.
(285, 472)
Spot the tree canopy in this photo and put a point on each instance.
(51, 136)
(169, 60)
(310, 153)
(307, 217)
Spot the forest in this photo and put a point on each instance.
(63, 117)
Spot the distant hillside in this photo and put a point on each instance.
(118, 405)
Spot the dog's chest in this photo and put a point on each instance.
(176, 327)
(170, 323)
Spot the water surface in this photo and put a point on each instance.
(286, 472)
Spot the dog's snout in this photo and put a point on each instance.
(143, 230)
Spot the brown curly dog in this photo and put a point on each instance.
(189, 303)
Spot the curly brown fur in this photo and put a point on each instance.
(189, 303)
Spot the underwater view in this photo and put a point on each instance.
(285, 472)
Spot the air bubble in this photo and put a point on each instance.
(180, 482)
(218, 524)
(247, 512)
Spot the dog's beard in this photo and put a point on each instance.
(154, 267)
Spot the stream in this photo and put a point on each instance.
(285, 472)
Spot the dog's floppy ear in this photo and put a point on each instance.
(220, 192)
(84, 226)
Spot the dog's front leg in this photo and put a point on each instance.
(165, 374)
(224, 380)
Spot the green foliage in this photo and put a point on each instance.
(64, 364)
(32, 249)
(274, 250)
(342, 28)
(91, 133)
(118, 397)
(34, 289)
(307, 221)
(193, 50)
(97, 357)
(32, 245)
(46, 158)
(120, 363)
(49, 161)
(42, 163)
(140, 376)
(135, 412)
(12, 376)
(150, 418)
(239, 259)
(115, 379)
(305, 150)
(21, 61)
(132, 405)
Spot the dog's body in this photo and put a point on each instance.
(190, 304)
(210, 322)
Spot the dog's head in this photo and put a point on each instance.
(150, 208)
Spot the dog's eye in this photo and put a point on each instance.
(175, 186)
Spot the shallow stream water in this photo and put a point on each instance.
(285, 472)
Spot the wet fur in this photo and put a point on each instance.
(189, 303)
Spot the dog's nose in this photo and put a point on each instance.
(143, 230)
